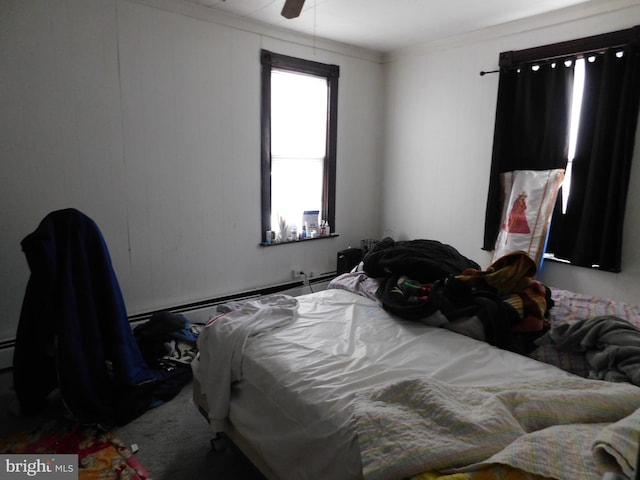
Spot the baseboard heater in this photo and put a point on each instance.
(7, 346)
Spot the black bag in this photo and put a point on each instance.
(168, 344)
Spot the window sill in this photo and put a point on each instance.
(552, 258)
(305, 240)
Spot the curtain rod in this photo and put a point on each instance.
(581, 46)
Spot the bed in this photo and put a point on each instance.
(332, 385)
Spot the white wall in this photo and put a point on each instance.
(146, 117)
(439, 132)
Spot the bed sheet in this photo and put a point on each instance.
(569, 308)
(295, 400)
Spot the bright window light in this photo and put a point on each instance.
(576, 107)
(298, 145)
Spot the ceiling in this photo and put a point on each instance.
(388, 25)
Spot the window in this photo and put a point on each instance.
(574, 124)
(299, 125)
(581, 117)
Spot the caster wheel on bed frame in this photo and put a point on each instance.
(219, 444)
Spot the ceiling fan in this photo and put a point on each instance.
(292, 8)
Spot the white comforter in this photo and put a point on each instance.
(304, 366)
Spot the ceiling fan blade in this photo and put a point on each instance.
(292, 8)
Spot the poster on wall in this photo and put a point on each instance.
(529, 198)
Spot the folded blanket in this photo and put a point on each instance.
(611, 346)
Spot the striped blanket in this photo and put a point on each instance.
(564, 428)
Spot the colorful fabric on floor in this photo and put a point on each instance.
(100, 455)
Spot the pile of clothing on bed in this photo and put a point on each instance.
(431, 282)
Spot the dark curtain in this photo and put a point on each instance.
(590, 233)
(531, 132)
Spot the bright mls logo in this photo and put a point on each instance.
(45, 466)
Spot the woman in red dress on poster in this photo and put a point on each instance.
(516, 221)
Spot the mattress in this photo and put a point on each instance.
(293, 396)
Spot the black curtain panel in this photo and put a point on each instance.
(531, 132)
(590, 232)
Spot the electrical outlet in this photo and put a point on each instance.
(295, 273)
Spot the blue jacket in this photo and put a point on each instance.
(73, 331)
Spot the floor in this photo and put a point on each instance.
(173, 441)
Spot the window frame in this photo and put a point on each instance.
(270, 60)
